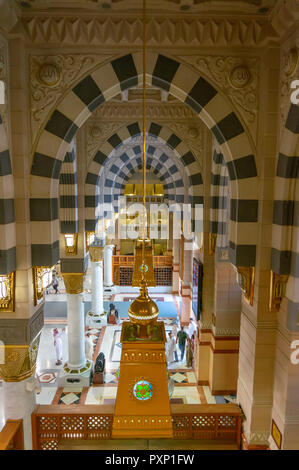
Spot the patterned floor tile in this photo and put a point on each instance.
(70, 396)
(110, 378)
(179, 377)
(191, 377)
(69, 399)
(47, 377)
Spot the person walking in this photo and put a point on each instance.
(55, 284)
(58, 345)
(192, 328)
(88, 347)
(181, 339)
(171, 345)
(189, 351)
(174, 331)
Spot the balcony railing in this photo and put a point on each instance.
(12, 436)
(51, 424)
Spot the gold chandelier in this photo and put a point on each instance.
(143, 312)
(143, 263)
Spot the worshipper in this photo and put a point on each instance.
(55, 284)
(58, 345)
(192, 328)
(113, 315)
(88, 346)
(171, 345)
(174, 334)
(190, 351)
(181, 340)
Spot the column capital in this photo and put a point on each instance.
(73, 282)
(17, 362)
(109, 247)
(96, 253)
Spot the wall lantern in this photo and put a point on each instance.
(42, 279)
(89, 238)
(7, 292)
(71, 241)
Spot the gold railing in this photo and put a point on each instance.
(123, 267)
(128, 260)
(12, 436)
(51, 424)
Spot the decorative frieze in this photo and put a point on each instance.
(112, 31)
(143, 356)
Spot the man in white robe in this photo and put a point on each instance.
(171, 347)
(58, 345)
(88, 347)
(192, 328)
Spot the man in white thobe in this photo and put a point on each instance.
(88, 347)
(171, 347)
(192, 328)
(58, 345)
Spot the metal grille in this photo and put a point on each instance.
(204, 421)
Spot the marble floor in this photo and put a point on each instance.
(107, 340)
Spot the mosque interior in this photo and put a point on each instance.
(149, 214)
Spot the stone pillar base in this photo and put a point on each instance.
(109, 289)
(75, 377)
(246, 446)
(96, 321)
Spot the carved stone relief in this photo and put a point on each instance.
(237, 78)
(162, 31)
(177, 117)
(51, 77)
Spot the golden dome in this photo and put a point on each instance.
(143, 310)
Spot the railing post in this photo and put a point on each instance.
(34, 430)
(217, 417)
(239, 432)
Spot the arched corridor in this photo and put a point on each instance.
(220, 257)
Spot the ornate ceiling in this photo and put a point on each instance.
(187, 6)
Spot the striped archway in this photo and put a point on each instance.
(7, 210)
(68, 193)
(129, 169)
(185, 84)
(182, 155)
(219, 199)
(285, 240)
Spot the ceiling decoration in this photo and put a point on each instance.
(187, 6)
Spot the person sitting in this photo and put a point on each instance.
(112, 315)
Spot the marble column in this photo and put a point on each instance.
(108, 279)
(97, 305)
(77, 366)
(224, 354)
(176, 267)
